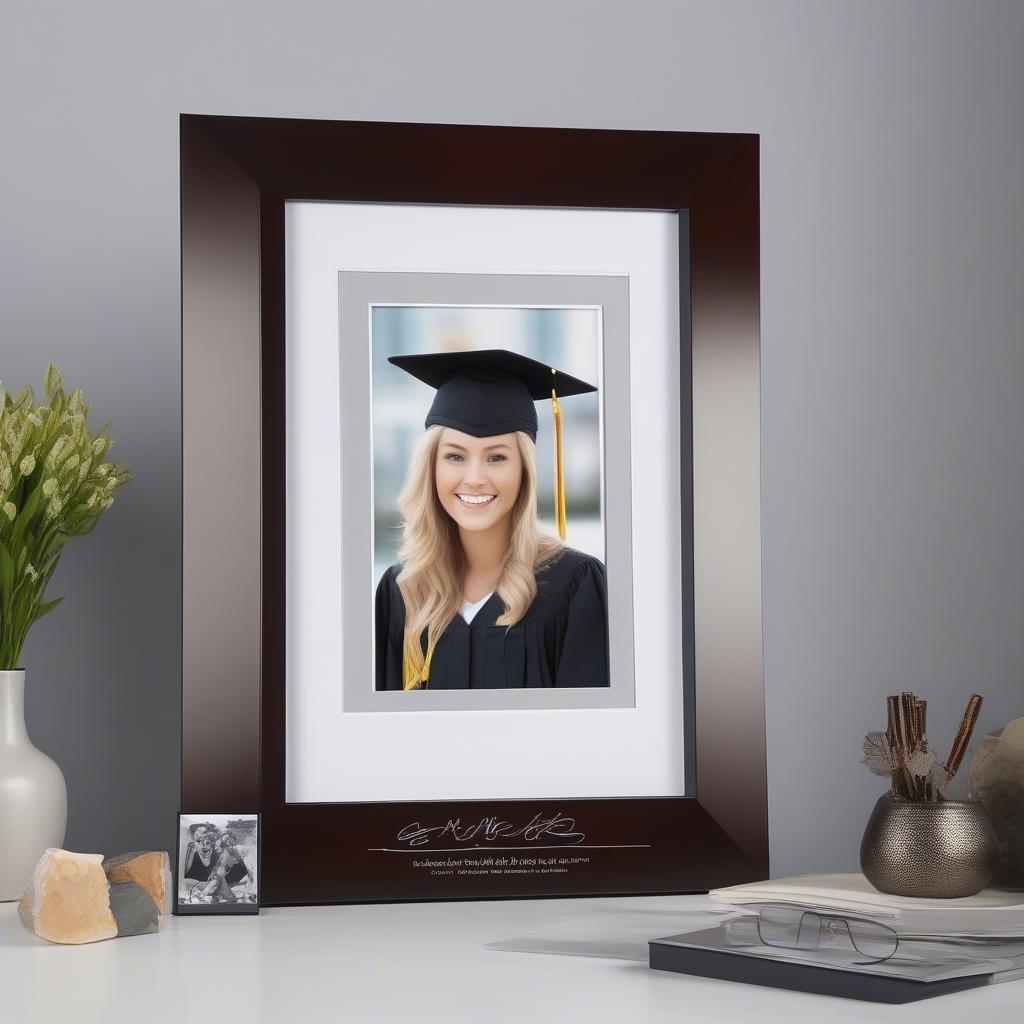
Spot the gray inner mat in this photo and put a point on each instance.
(357, 291)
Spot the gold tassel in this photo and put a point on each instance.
(412, 681)
(559, 471)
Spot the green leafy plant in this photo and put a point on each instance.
(54, 485)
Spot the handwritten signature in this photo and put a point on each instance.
(557, 826)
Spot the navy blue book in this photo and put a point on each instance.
(701, 954)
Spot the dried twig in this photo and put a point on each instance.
(907, 704)
(892, 731)
(921, 721)
(962, 739)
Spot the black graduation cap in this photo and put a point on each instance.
(493, 391)
(488, 392)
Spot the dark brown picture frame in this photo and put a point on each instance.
(236, 175)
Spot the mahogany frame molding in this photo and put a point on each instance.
(236, 174)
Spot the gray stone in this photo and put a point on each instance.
(133, 908)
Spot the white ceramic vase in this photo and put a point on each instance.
(33, 796)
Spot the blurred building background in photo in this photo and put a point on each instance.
(566, 338)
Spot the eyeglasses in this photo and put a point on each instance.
(784, 926)
(789, 927)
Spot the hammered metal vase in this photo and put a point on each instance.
(941, 850)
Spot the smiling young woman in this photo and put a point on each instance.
(482, 597)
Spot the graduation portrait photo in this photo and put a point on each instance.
(488, 532)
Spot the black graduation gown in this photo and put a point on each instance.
(561, 641)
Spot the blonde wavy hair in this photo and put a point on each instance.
(433, 562)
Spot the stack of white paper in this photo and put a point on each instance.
(992, 913)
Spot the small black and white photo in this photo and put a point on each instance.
(218, 864)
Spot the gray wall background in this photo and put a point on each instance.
(892, 314)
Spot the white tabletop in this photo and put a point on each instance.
(401, 962)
